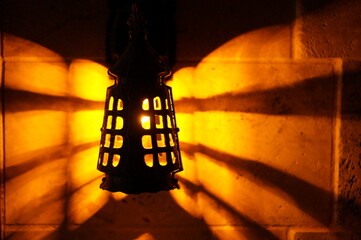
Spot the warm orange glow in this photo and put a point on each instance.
(148, 159)
(40, 69)
(86, 201)
(145, 236)
(162, 158)
(159, 121)
(145, 104)
(157, 103)
(105, 159)
(147, 142)
(49, 78)
(241, 121)
(82, 172)
(31, 134)
(182, 83)
(213, 214)
(171, 141)
(245, 162)
(111, 102)
(32, 188)
(118, 141)
(53, 116)
(107, 140)
(119, 105)
(109, 122)
(187, 200)
(145, 120)
(186, 124)
(118, 196)
(263, 43)
(84, 126)
(17, 47)
(116, 160)
(88, 79)
(160, 140)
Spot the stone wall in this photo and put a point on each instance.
(267, 95)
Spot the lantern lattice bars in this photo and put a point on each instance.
(139, 148)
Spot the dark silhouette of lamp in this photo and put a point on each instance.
(139, 149)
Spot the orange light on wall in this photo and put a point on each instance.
(139, 149)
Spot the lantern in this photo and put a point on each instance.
(139, 149)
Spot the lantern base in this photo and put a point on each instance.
(139, 184)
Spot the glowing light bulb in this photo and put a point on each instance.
(145, 104)
(145, 120)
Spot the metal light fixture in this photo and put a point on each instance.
(139, 149)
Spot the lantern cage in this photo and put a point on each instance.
(139, 148)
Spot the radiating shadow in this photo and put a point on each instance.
(156, 214)
(279, 101)
(45, 155)
(309, 198)
(257, 231)
(20, 100)
(38, 158)
(295, 99)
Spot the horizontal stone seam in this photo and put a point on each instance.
(268, 60)
(49, 59)
(51, 227)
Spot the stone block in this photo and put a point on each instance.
(329, 29)
(317, 234)
(263, 128)
(36, 142)
(88, 80)
(43, 78)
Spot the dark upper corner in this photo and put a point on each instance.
(95, 29)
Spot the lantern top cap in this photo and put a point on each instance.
(140, 63)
